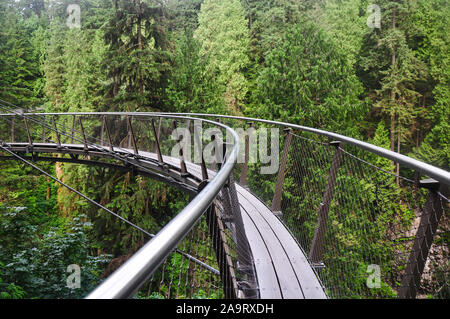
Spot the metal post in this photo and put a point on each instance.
(197, 141)
(102, 130)
(316, 252)
(429, 222)
(182, 163)
(276, 201)
(74, 122)
(243, 179)
(30, 142)
(158, 149)
(58, 138)
(231, 203)
(111, 148)
(43, 129)
(131, 135)
(12, 129)
(84, 135)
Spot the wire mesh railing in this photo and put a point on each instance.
(367, 232)
(145, 143)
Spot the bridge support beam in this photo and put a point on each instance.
(429, 221)
(316, 252)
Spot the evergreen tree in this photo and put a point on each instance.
(307, 80)
(191, 88)
(431, 20)
(390, 69)
(224, 36)
(137, 60)
(19, 61)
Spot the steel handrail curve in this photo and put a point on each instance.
(431, 171)
(126, 280)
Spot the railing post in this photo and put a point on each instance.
(43, 129)
(84, 135)
(158, 149)
(131, 136)
(108, 134)
(58, 138)
(74, 122)
(232, 214)
(181, 154)
(276, 201)
(243, 178)
(198, 142)
(429, 221)
(30, 141)
(12, 128)
(102, 130)
(316, 252)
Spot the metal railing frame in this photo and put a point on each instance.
(130, 276)
(126, 280)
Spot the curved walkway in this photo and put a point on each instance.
(281, 266)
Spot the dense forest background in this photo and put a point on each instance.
(315, 63)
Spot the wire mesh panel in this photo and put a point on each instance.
(205, 257)
(356, 224)
(179, 277)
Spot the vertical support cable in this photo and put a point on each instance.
(316, 252)
(276, 201)
(429, 222)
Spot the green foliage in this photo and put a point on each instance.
(35, 257)
(191, 87)
(313, 63)
(224, 37)
(308, 81)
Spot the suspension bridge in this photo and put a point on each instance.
(320, 226)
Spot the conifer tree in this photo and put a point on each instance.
(224, 36)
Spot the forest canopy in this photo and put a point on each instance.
(328, 64)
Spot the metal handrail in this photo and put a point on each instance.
(126, 280)
(426, 169)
